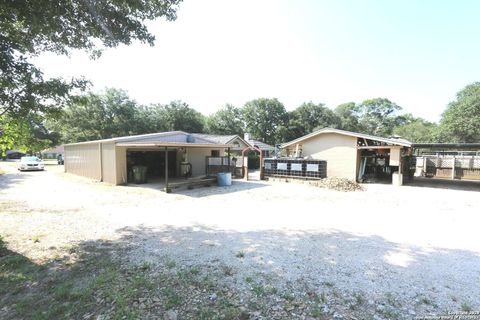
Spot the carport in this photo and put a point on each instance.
(167, 155)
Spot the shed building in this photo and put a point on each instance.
(351, 155)
(164, 154)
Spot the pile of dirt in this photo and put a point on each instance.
(339, 184)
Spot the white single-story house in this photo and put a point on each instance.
(351, 155)
(53, 153)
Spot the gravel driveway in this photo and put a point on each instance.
(387, 252)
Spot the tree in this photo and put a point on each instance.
(28, 28)
(460, 121)
(28, 134)
(377, 116)
(113, 113)
(264, 118)
(100, 116)
(227, 120)
(177, 115)
(310, 117)
(418, 131)
(348, 118)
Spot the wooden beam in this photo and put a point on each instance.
(453, 168)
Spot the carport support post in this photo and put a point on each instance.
(228, 155)
(167, 189)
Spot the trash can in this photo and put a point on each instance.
(224, 179)
(139, 174)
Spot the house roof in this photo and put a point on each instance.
(172, 138)
(57, 149)
(261, 145)
(394, 141)
(181, 138)
(218, 138)
(231, 139)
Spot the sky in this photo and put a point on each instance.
(418, 54)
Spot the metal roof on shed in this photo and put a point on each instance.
(171, 138)
(394, 141)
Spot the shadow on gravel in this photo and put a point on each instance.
(237, 186)
(9, 179)
(204, 191)
(203, 273)
(463, 185)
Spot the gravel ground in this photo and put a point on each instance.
(408, 250)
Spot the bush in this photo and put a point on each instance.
(253, 161)
(3, 246)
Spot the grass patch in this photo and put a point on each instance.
(58, 291)
(146, 266)
(425, 300)
(317, 313)
(228, 271)
(288, 296)
(36, 238)
(466, 307)
(172, 299)
(259, 290)
(170, 263)
(240, 254)
(3, 247)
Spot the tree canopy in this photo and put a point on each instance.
(113, 113)
(28, 28)
(377, 116)
(177, 115)
(349, 121)
(99, 116)
(461, 120)
(264, 119)
(417, 130)
(227, 120)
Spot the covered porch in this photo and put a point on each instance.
(382, 160)
(173, 165)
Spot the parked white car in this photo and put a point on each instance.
(30, 163)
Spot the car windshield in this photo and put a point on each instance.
(26, 159)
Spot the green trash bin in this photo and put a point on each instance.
(139, 174)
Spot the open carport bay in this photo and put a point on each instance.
(154, 161)
(271, 250)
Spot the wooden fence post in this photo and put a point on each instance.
(453, 168)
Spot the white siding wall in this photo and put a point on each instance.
(121, 165)
(108, 163)
(338, 150)
(83, 160)
(197, 157)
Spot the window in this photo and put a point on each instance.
(215, 153)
